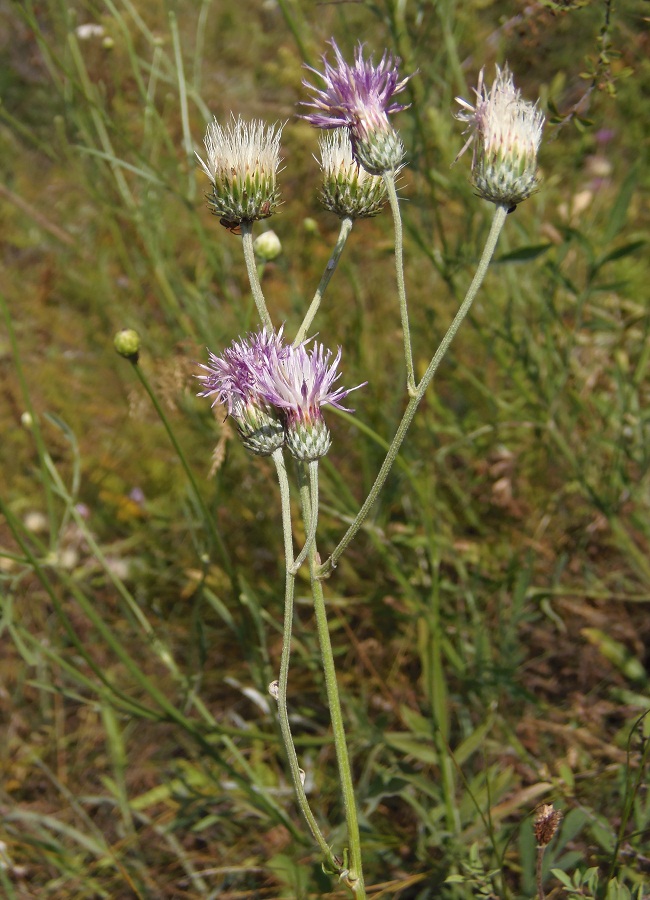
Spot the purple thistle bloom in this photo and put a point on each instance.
(275, 392)
(233, 379)
(359, 98)
(300, 384)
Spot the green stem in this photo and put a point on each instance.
(344, 233)
(500, 214)
(389, 181)
(353, 877)
(313, 520)
(198, 495)
(251, 268)
(283, 712)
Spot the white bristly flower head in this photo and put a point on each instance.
(242, 164)
(348, 189)
(505, 134)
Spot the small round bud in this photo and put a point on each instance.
(108, 43)
(127, 344)
(26, 420)
(267, 246)
(310, 225)
(274, 689)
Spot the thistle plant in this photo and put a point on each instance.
(276, 391)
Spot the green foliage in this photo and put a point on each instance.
(490, 622)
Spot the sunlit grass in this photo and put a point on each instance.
(490, 622)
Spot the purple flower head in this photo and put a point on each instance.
(233, 379)
(359, 98)
(300, 384)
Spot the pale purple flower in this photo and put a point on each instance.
(275, 392)
(233, 379)
(505, 132)
(300, 384)
(360, 98)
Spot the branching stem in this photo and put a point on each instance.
(488, 251)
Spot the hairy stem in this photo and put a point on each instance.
(344, 233)
(353, 877)
(283, 712)
(389, 181)
(409, 413)
(251, 268)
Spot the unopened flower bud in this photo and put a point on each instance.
(127, 344)
(267, 246)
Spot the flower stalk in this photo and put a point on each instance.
(389, 181)
(498, 222)
(330, 268)
(353, 876)
(283, 712)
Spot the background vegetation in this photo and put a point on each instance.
(491, 622)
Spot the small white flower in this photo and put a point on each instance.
(89, 30)
(505, 134)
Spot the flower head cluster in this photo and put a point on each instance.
(360, 98)
(275, 392)
(505, 132)
(242, 164)
(348, 189)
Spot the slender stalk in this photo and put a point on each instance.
(409, 413)
(313, 521)
(283, 712)
(251, 268)
(344, 233)
(198, 494)
(538, 873)
(354, 876)
(389, 181)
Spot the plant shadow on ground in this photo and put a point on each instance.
(490, 623)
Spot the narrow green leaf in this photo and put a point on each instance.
(618, 213)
